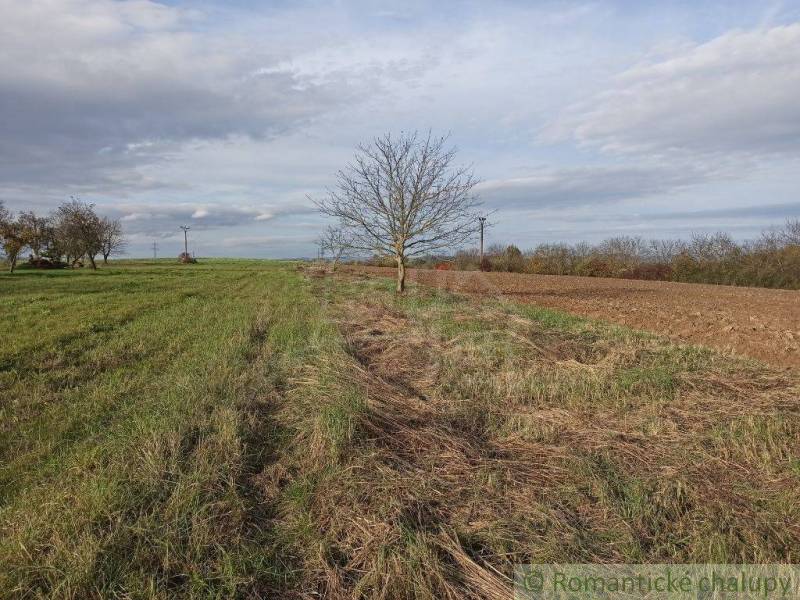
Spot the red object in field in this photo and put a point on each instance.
(444, 266)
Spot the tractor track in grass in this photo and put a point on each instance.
(758, 323)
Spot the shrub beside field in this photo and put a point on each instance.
(237, 429)
(772, 261)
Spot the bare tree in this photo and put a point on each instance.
(664, 251)
(403, 197)
(5, 214)
(624, 250)
(791, 232)
(13, 236)
(111, 239)
(36, 231)
(79, 231)
(334, 242)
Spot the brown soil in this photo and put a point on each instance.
(758, 323)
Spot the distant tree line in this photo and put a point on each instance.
(74, 232)
(772, 260)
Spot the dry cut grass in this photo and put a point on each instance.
(452, 439)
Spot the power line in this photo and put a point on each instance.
(185, 239)
(482, 221)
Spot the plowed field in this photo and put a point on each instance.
(759, 323)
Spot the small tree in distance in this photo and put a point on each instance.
(791, 232)
(37, 231)
(111, 239)
(334, 242)
(79, 231)
(13, 236)
(403, 197)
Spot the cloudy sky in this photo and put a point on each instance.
(582, 119)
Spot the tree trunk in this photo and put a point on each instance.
(401, 274)
(91, 260)
(105, 259)
(12, 262)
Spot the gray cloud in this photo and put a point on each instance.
(226, 115)
(93, 90)
(568, 187)
(734, 94)
(162, 219)
(776, 211)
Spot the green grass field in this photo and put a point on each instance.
(239, 429)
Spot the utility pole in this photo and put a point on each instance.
(482, 221)
(185, 240)
(155, 250)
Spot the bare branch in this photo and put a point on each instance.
(403, 197)
(112, 240)
(335, 242)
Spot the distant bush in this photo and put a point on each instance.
(466, 260)
(652, 272)
(510, 260)
(773, 260)
(44, 263)
(554, 259)
(595, 267)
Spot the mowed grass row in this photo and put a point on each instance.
(233, 429)
(135, 405)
